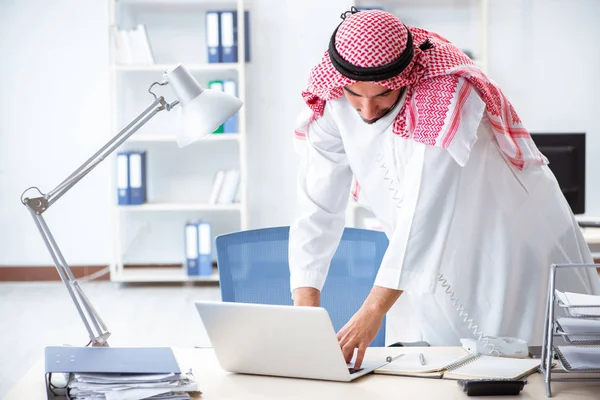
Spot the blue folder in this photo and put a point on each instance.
(191, 248)
(123, 189)
(137, 177)
(204, 248)
(213, 36)
(229, 36)
(132, 360)
(231, 125)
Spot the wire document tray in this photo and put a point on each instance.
(574, 337)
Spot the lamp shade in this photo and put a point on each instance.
(202, 110)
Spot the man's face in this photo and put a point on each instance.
(371, 100)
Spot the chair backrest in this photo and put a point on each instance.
(253, 268)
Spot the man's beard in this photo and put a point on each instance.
(384, 112)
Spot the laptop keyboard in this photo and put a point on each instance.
(354, 370)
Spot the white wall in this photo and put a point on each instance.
(54, 101)
(53, 115)
(546, 57)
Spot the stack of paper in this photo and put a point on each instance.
(132, 386)
(589, 329)
(569, 300)
(580, 357)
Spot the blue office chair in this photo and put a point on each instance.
(253, 268)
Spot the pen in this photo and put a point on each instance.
(390, 358)
(421, 359)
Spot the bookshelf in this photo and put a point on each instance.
(464, 22)
(169, 137)
(149, 238)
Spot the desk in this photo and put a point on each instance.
(218, 384)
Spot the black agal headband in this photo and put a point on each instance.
(370, 74)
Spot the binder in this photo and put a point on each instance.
(107, 360)
(123, 189)
(141, 45)
(137, 177)
(229, 36)
(191, 248)
(216, 85)
(216, 186)
(204, 248)
(231, 125)
(230, 187)
(213, 37)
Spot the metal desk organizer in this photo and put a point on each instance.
(555, 335)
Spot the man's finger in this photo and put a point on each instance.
(359, 356)
(348, 351)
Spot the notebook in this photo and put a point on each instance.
(469, 366)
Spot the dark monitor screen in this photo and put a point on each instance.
(566, 153)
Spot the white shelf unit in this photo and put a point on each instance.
(149, 238)
(169, 137)
(464, 22)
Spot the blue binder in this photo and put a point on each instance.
(204, 248)
(229, 36)
(231, 125)
(213, 36)
(123, 189)
(191, 248)
(137, 177)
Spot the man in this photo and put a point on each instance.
(473, 214)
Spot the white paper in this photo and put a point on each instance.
(132, 387)
(574, 326)
(579, 299)
(581, 356)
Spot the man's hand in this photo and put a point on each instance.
(359, 332)
(362, 328)
(307, 296)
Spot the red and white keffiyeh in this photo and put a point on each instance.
(434, 99)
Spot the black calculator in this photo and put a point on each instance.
(491, 387)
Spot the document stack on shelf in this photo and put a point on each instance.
(574, 336)
(132, 386)
(580, 331)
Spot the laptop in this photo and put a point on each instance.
(261, 339)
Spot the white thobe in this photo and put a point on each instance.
(492, 231)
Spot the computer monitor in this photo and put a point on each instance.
(566, 153)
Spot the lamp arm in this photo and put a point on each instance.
(94, 325)
(158, 105)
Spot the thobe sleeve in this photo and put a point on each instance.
(430, 188)
(323, 189)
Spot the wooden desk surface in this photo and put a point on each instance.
(218, 384)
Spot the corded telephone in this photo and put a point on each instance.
(504, 346)
(486, 345)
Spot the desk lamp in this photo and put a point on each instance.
(203, 111)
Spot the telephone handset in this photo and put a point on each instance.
(503, 346)
(485, 345)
